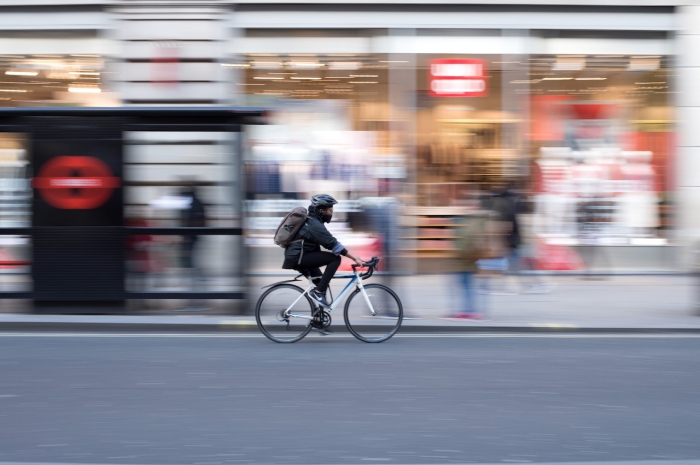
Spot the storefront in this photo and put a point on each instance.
(53, 80)
(573, 105)
(585, 133)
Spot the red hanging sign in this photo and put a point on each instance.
(164, 69)
(457, 78)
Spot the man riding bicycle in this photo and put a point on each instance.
(304, 253)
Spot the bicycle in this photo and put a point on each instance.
(373, 312)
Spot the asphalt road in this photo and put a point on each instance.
(146, 399)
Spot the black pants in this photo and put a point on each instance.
(312, 261)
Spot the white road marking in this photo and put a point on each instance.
(621, 462)
(477, 335)
(557, 335)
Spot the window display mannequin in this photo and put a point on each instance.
(638, 202)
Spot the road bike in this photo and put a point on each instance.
(373, 313)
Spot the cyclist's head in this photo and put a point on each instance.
(322, 207)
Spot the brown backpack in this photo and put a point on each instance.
(290, 226)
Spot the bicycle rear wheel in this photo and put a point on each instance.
(284, 314)
(377, 327)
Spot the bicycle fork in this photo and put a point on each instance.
(366, 297)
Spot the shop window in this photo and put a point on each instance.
(15, 212)
(189, 179)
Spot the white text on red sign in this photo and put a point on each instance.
(457, 77)
(472, 70)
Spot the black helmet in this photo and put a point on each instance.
(322, 201)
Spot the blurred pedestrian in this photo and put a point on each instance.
(139, 261)
(381, 218)
(508, 205)
(194, 215)
(498, 234)
(137, 247)
(472, 246)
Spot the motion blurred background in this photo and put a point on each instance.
(403, 111)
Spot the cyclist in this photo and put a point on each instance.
(304, 253)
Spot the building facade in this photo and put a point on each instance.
(589, 106)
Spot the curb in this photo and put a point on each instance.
(563, 273)
(238, 327)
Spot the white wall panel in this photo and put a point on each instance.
(165, 12)
(688, 19)
(147, 50)
(73, 20)
(473, 19)
(174, 137)
(687, 101)
(360, 2)
(183, 71)
(220, 195)
(689, 161)
(17, 46)
(688, 199)
(178, 91)
(687, 47)
(607, 46)
(470, 2)
(171, 30)
(300, 45)
(156, 173)
(687, 81)
(456, 45)
(176, 154)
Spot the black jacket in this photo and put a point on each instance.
(193, 216)
(506, 206)
(311, 237)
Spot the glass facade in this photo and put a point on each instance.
(587, 138)
(52, 80)
(580, 122)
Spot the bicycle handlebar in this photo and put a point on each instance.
(371, 266)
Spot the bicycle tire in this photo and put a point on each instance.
(270, 320)
(373, 328)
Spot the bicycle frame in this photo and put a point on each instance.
(354, 279)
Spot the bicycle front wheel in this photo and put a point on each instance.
(380, 325)
(284, 314)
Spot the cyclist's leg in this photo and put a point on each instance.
(314, 260)
(313, 273)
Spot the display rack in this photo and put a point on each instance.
(15, 190)
(431, 231)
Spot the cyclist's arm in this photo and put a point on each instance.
(323, 237)
(328, 241)
(355, 258)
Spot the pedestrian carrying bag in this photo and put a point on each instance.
(290, 225)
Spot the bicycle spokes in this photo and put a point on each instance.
(373, 315)
(284, 314)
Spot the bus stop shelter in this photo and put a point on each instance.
(77, 228)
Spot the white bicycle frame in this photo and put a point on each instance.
(354, 279)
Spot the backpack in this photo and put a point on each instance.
(290, 226)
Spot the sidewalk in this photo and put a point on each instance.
(606, 303)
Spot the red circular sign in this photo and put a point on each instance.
(75, 183)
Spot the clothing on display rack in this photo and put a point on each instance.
(263, 177)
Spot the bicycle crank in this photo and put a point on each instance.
(322, 320)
